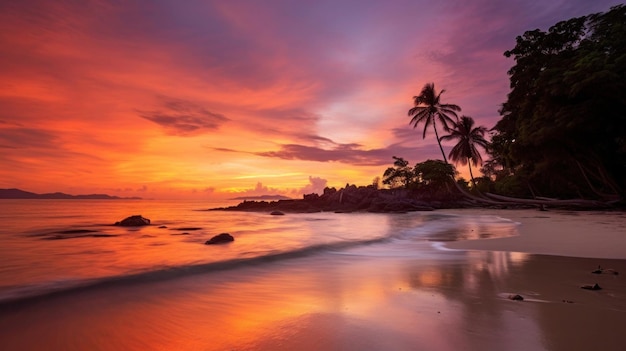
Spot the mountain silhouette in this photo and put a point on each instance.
(21, 194)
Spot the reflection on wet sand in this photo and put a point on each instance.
(555, 314)
(340, 302)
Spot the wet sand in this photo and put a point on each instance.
(593, 234)
(450, 300)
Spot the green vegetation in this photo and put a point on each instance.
(563, 127)
(400, 175)
(431, 176)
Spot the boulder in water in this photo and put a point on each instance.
(222, 238)
(277, 213)
(133, 221)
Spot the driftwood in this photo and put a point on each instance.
(477, 199)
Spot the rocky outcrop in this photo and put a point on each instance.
(351, 199)
(222, 238)
(133, 221)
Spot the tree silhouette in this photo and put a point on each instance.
(428, 109)
(401, 175)
(469, 137)
(563, 127)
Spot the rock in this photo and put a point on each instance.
(162, 226)
(277, 213)
(591, 287)
(133, 221)
(222, 238)
(397, 205)
(516, 297)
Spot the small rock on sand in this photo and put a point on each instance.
(601, 270)
(591, 287)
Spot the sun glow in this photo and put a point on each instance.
(261, 176)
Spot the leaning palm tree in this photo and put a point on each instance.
(428, 109)
(469, 137)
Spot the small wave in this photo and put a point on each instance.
(10, 295)
(70, 234)
(65, 237)
(441, 246)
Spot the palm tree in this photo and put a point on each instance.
(428, 109)
(469, 137)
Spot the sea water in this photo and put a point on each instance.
(49, 246)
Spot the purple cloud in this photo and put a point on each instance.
(352, 154)
(184, 118)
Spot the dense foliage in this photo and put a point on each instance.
(431, 175)
(563, 127)
(400, 175)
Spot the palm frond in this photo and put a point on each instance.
(451, 107)
(419, 117)
(469, 137)
(429, 121)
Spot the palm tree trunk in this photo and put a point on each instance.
(439, 142)
(469, 163)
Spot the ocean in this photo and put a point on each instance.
(71, 281)
(52, 246)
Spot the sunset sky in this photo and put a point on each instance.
(217, 99)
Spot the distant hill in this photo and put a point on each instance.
(262, 197)
(21, 194)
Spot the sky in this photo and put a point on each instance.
(218, 99)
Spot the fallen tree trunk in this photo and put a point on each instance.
(501, 200)
(553, 202)
(478, 199)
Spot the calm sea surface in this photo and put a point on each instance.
(56, 245)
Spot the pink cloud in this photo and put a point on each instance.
(316, 185)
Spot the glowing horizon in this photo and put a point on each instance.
(213, 99)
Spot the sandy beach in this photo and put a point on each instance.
(455, 299)
(594, 234)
